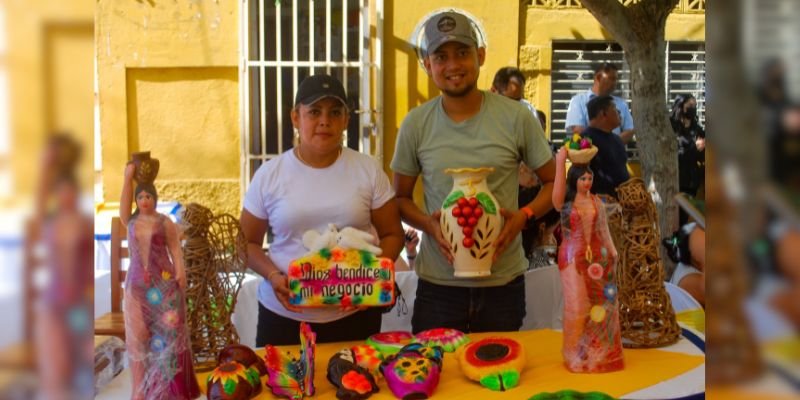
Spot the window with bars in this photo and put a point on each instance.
(683, 6)
(573, 73)
(285, 41)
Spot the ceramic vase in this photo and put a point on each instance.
(146, 167)
(471, 222)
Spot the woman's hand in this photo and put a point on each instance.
(280, 285)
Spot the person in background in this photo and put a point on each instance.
(542, 119)
(411, 242)
(691, 144)
(687, 248)
(610, 164)
(509, 82)
(605, 82)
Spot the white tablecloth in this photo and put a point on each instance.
(542, 296)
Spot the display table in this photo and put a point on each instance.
(672, 372)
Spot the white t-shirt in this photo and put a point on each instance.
(295, 198)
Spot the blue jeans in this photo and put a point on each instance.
(476, 309)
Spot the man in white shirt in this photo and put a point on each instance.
(605, 82)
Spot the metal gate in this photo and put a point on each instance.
(284, 41)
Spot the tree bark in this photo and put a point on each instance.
(658, 148)
(639, 29)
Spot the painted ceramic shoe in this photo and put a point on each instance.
(413, 373)
(572, 395)
(448, 339)
(495, 362)
(389, 343)
(232, 381)
(243, 355)
(368, 357)
(352, 381)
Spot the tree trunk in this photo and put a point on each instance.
(656, 141)
(639, 29)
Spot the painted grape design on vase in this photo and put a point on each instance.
(471, 221)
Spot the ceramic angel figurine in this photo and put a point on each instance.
(586, 260)
(156, 332)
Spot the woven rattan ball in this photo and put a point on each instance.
(633, 196)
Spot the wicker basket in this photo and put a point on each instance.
(581, 156)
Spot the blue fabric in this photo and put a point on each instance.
(577, 114)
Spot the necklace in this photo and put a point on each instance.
(303, 160)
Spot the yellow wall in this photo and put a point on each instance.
(50, 58)
(168, 83)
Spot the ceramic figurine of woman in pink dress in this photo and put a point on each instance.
(156, 332)
(586, 261)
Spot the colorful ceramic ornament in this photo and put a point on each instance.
(413, 373)
(233, 381)
(368, 357)
(495, 362)
(572, 395)
(290, 377)
(389, 343)
(352, 381)
(342, 268)
(243, 355)
(471, 221)
(446, 338)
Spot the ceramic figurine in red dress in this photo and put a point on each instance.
(586, 261)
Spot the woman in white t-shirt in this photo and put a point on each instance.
(317, 183)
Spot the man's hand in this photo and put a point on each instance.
(514, 222)
(434, 228)
(627, 136)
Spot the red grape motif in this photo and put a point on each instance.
(467, 211)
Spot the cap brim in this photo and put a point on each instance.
(432, 47)
(313, 99)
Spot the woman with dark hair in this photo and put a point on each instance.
(156, 333)
(318, 182)
(691, 144)
(586, 261)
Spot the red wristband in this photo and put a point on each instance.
(528, 212)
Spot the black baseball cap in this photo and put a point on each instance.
(318, 87)
(448, 26)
